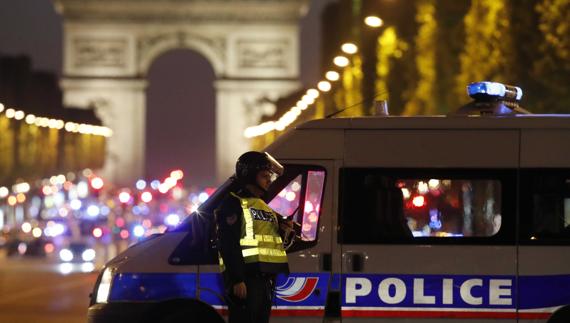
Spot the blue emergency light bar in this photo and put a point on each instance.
(494, 90)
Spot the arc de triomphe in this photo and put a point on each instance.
(109, 45)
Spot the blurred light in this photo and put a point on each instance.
(418, 201)
(124, 234)
(170, 182)
(49, 248)
(324, 86)
(82, 190)
(63, 212)
(65, 255)
(88, 255)
(61, 179)
(87, 267)
(177, 193)
(313, 93)
(4, 191)
(104, 211)
(138, 230)
(341, 61)
(163, 188)
(97, 232)
(71, 176)
(433, 183)
(141, 184)
(65, 268)
(10, 113)
(373, 21)
(19, 115)
(21, 198)
(75, 204)
(349, 48)
(54, 229)
(87, 172)
(172, 219)
(332, 76)
(406, 193)
(1, 107)
(93, 210)
(21, 188)
(146, 223)
(423, 187)
(97, 183)
(37, 232)
(177, 174)
(26, 227)
(12, 200)
(203, 197)
(120, 222)
(30, 119)
(313, 217)
(290, 196)
(295, 186)
(22, 247)
(155, 184)
(308, 207)
(124, 197)
(146, 197)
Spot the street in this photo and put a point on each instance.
(35, 291)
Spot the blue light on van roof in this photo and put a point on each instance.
(494, 90)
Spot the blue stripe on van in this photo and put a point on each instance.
(152, 286)
(414, 292)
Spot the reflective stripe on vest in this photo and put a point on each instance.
(260, 240)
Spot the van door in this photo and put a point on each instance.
(427, 221)
(307, 198)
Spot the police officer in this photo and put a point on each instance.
(250, 240)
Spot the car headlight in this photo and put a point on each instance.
(88, 255)
(104, 287)
(65, 255)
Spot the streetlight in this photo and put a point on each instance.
(373, 21)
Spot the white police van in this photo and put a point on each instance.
(460, 218)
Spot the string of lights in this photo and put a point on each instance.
(308, 99)
(58, 124)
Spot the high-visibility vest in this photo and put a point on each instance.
(260, 240)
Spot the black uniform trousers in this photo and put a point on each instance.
(256, 308)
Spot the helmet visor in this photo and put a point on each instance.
(275, 167)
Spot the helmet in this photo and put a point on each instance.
(250, 163)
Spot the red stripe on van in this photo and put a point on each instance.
(443, 314)
(297, 312)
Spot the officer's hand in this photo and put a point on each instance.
(240, 291)
(286, 226)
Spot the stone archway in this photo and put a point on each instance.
(110, 44)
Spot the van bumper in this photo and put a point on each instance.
(126, 312)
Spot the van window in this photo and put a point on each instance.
(287, 201)
(545, 206)
(300, 197)
(383, 205)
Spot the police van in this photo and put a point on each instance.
(457, 218)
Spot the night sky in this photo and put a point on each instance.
(180, 101)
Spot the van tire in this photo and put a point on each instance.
(560, 316)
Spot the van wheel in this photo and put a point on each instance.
(192, 315)
(560, 316)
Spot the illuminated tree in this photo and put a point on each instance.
(423, 100)
(552, 67)
(487, 52)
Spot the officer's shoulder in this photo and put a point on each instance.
(230, 201)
